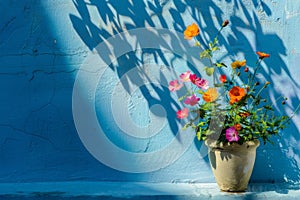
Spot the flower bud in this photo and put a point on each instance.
(283, 102)
(225, 23)
(266, 84)
(257, 83)
(248, 88)
(246, 69)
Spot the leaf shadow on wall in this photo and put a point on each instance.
(111, 13)
(244, 38)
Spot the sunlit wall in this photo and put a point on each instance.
(84, 87)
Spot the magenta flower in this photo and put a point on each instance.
(191, 100)
(200, 83)
(193, 78)
(232, 134)
(185, 77)
(174, 85)
(181, 114)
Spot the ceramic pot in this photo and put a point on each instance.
(232, 164)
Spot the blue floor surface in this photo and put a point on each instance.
(142, 191)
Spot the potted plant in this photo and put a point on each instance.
(232, 116)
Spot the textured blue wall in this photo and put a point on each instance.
(47, 46)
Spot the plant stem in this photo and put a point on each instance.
(258, 64)
(290, 117)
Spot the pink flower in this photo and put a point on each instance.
(191, 100)
(181, 114)
(174, 85)
(185, 77)
(200, 83)
(232, 134)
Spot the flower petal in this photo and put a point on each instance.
(181, 114)
(232, 134)
(174, 85)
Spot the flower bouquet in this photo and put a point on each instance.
(232, 115)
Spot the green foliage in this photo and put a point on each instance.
(206, 53)
(251, 115)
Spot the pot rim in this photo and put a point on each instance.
(212, 144)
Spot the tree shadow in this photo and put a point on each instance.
(245, 36)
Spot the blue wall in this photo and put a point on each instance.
(62, 86)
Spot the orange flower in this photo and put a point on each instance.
(245, 114)
(262, 55)
(210, 95)
(237, 127)
(191, 31)
(238, 64)
(236, 94)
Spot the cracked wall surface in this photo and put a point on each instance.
(45, 44)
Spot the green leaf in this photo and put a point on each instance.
(202, 113)
(201, 124)
(206, 106)
(215, 48)
(268, 108)
(200, 91)
(186, 126)
(199, 133)
(257, 102)
(205, 53)
(215, 40)
(197, 44)
(209, 132)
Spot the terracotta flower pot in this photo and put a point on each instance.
(232, 164)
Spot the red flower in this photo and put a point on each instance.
(223, 78)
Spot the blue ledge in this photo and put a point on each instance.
(161, 191)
